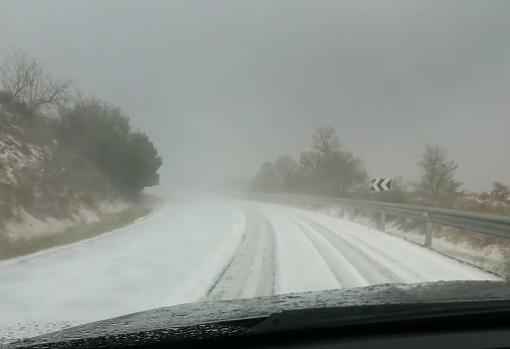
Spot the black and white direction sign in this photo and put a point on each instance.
(381, 184)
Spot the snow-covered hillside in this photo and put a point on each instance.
(44, 188)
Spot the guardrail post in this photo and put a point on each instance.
(382, 221)
(428, 230)
(341, 214)
(428, 235)
(348, 213)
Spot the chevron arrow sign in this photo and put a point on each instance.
(381, 184)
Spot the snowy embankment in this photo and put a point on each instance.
(45, 187)
(27, 226)
(200, 250)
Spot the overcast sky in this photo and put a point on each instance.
(221, 86)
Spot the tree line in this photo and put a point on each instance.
(326, 169)
(89, 127)
(329, 169)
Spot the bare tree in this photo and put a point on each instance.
(438, 177)
(27, 83)
(331, 169)
(17, 74)
(325, 146)
(325, 141)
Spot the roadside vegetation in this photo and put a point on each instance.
(329, 169)
(70, 166)
(89, 127)
(102, 134)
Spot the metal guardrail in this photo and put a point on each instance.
(493, 225)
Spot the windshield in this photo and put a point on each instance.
(158, 153)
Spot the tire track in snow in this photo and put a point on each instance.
(343, 270)
(251, 272)
(265, 266)
(378, 255)
(371, 269)
(420, 264)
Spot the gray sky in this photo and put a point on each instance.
(221, 86)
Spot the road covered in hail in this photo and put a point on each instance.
(206, 249)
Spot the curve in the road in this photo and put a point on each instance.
(336, 253)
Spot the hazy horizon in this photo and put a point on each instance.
(222, 86)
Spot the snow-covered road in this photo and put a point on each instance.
(208, 249)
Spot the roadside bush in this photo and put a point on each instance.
(102, 134)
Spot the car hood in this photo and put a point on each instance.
(231, 317)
